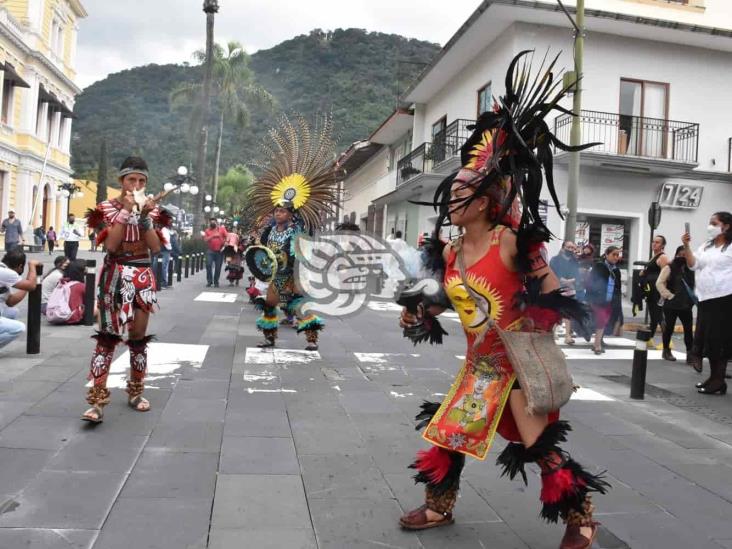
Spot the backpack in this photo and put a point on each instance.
(57, 308)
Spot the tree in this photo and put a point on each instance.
(102, 173)
(234, 90)
(234, 188)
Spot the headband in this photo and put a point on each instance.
(127, 171)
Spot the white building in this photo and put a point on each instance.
(656, 93)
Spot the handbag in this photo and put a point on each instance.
(538, 362)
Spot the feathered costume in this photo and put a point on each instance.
(126, 285)
(298, 173)
(507, 158)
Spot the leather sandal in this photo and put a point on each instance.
(417, 520)
(94, 415)
(136, 402)
(573, 539)
(265, 344)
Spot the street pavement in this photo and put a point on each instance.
(250, 448)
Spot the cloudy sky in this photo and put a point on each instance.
(123, 34)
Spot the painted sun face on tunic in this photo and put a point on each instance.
(472, 317)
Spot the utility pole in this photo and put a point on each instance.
(210, 7)
(575, 137)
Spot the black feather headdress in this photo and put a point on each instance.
(509, 154)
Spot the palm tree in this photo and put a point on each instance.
(234, 91)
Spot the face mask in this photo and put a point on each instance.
(713, 231)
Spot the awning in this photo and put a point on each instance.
(50, 98)
(13, 76)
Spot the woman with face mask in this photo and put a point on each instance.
(675, 285)
(604, 294)
(712, 263)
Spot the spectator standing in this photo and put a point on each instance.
(175, 250)
(66, 303)
(39, 236)
(166, 249)
(215, 238)
(675, 284)
(51, 280)
(585, 259)
(13, 231)
(649, 276)
(604, 293)
(712, 264)
(51, 239)
(566, 266)
(93, 240)
(71, 236)
(11, 268)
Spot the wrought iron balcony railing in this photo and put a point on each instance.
(416, 162)
(446, 143)
(634, 135)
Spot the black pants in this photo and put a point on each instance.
(655, 313)
(51, 244)
(685, 316)
(70, 249)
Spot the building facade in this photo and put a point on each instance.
(657, 75)
(37, 58)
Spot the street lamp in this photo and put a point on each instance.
(69, 191)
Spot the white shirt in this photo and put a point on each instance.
(70, 233)
(713, 272)
(50, 281)
(166, 235)
(8, 279)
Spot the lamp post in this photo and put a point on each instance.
(183, 183)
(69, 191)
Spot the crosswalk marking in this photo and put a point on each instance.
(381, 358)
(163, 361)
(217, 297)
(255, 355)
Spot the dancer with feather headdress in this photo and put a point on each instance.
(297, 187)
(496, 274)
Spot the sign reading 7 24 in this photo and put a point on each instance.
(680, 195)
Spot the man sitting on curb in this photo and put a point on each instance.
(11, 268)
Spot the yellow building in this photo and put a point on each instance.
(37, 59)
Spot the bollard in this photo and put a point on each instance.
(171, 267)
(33, 342)
(200, 261)
(178, 264)
(640, 362)
(90, 285)
(188, 264)
(158, 272)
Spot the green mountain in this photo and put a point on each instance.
(352, 73)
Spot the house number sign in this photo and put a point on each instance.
(680, 195)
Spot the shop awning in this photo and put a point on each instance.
(50, 98)
(13, 76)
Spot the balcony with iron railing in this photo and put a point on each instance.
(417, 162)
(446, 143)
(633, 137)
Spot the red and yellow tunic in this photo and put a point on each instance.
(475, 407)
(126, 281)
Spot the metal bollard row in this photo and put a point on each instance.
(640, 364)
(33, 341)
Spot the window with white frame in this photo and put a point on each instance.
(8, 102)
(57, 38)
(484, 99)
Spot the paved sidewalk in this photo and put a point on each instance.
(287, 449)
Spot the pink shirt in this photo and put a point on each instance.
(232, 239)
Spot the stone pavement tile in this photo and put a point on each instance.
(36, 432)
(342, 476)
(184, 408)
(367, 402)
(359, 523)
(161, 473)
(470, 507)
(258, 423)
(241, 401)
(334, 434)
(65, 499)
(26, 390)
(463, 535)
(39, 538)
(261, 500)
(396, 458)
(188, 436)
(19, 467)
(258, 455)
(202, 388)
(275, 538)
(715, 478)
(43, 372)
(657, 531)
(11, 410)
(726, 543)
(13, 366)
(104, 451)
(141, 523)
